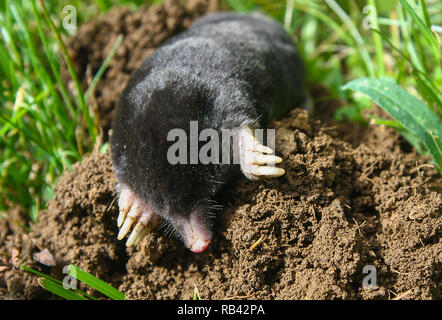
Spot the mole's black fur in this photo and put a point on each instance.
(226, 71)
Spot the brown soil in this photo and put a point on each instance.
(351, 197)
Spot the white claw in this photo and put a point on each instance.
(134, 212)
(125, 203)
(135, 234)
(262, 148)
(125, 228)
(141, 236)
(132, 216)
(121, 218)
(263, 159)
(257, 160)
(267, 172)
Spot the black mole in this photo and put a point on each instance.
(227, 71)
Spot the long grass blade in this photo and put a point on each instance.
(48, 277)
(357, 36)
(424, 29)
(58, 290)
(89, 122)
(103, 67)
(95, 283)
(378, 43)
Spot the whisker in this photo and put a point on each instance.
(217, 182)
(163, 225)
(169, 231)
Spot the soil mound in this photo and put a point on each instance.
(336, 210)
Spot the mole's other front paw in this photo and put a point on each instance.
(256, 159)
(134, 210)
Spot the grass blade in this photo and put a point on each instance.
(362, 47)
(385, 122)
(328, 21)
(103, 67)
(242, 5)
(54, 68)
(196, 294)
(417, 73)
(93, 131)
(378, 42)
(424, 29)
(409, 111)
(288, 17)
(58, 290)
(41, 274)
(84, 294)
(95, 283)
(426, 15)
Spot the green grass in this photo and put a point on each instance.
(44, 129)
(196, 294)
(68, 289)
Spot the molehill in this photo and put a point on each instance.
(351, 197)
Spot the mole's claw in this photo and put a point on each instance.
(125, 228)
(263, 159)
(121, 218)
(262, 148)
(255, 159)
(125, 202)
(141, 235)
(266, 172)
(133, 210)
(135, 234)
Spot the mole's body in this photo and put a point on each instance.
(227, 71)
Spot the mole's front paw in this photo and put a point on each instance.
(134, 210)
(256, 159)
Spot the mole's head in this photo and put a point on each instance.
(151, 133)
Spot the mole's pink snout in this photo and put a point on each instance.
(195, 231)
(199, 245)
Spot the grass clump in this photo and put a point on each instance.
(44, 127)
(44, 130)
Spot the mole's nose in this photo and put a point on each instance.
(199, 245)
(194, 230)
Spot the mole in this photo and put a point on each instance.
(228, 72)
